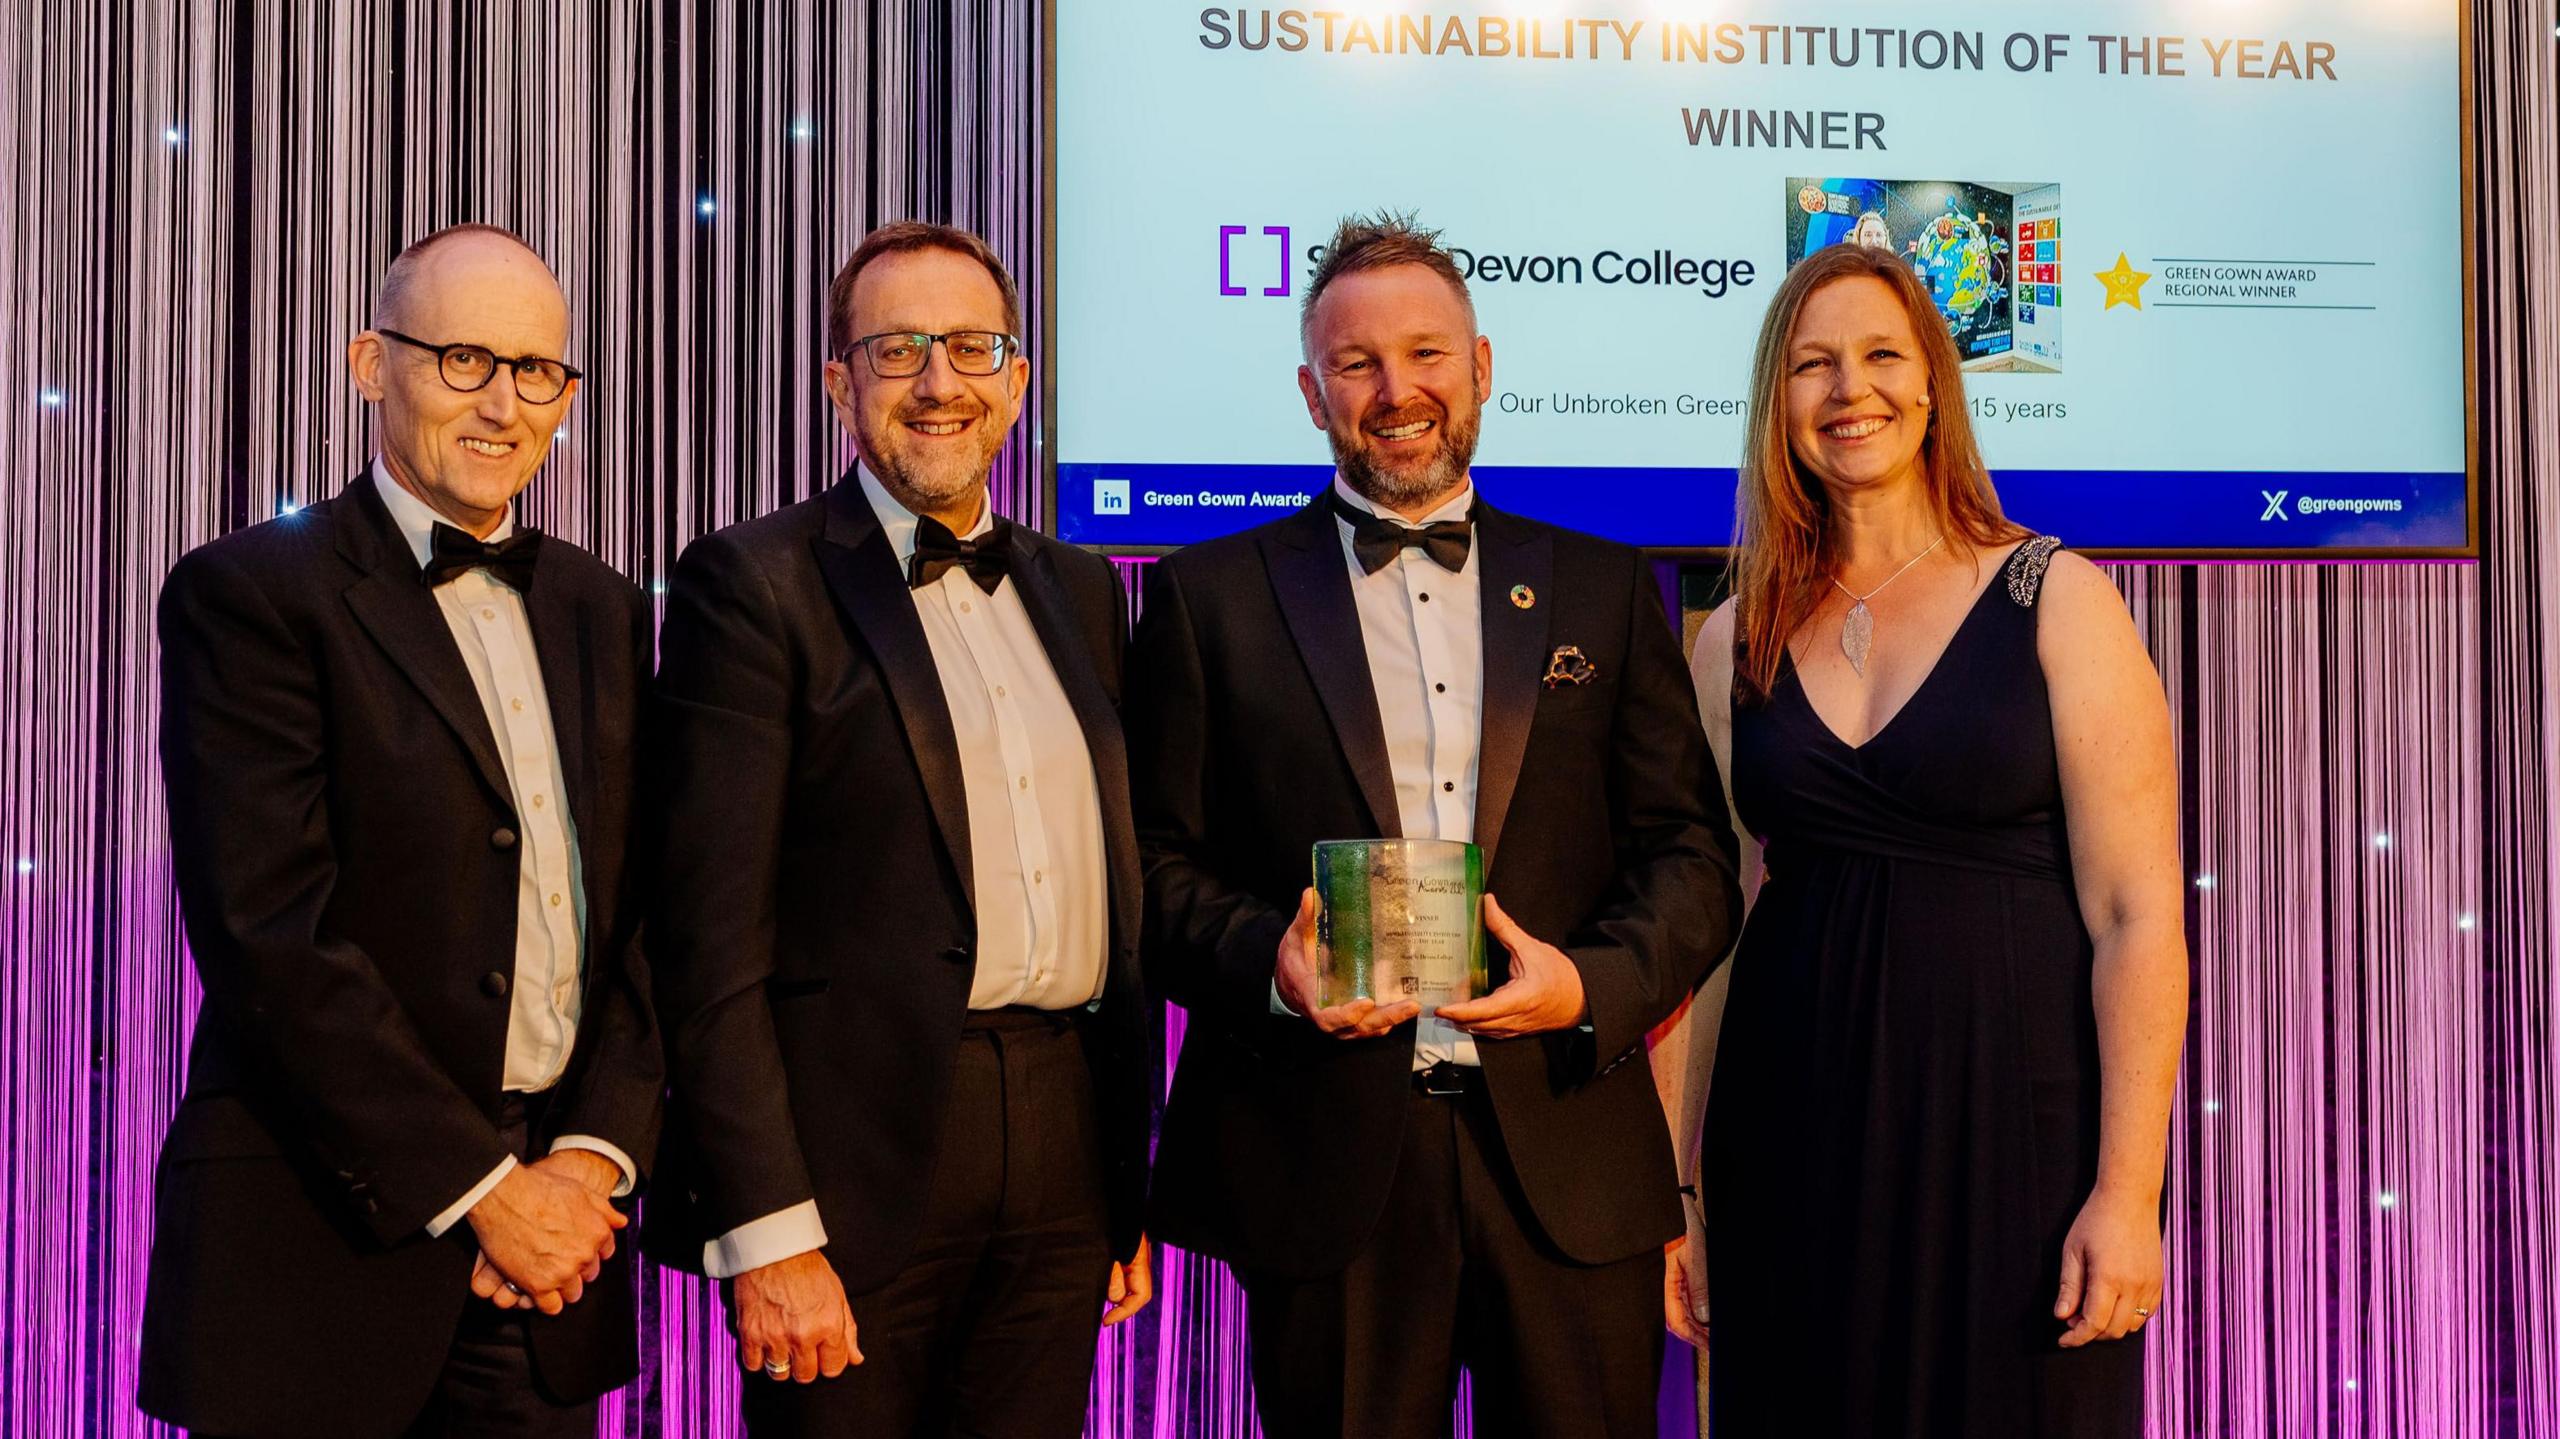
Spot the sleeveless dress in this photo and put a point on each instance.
(1904, 1117)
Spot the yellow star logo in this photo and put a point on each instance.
(2124, 283)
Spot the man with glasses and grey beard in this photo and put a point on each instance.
(898, 932)
(1489, 1187)
(399, 733)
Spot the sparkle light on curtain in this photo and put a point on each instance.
(2365, 1192)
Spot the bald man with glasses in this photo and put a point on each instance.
(399, 735)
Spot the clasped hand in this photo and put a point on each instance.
(1543, 993)
(546, 1230)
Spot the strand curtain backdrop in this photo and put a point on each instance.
(2364, 1200)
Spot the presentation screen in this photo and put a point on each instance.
(2203, 263)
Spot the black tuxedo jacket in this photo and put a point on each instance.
(1258, 733)
(346, 859)
(816, 930)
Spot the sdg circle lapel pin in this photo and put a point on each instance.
(1522, 596)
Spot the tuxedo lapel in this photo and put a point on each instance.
(1512, 558)
(401, 614)
(1036, 581)
(861, 571)
(1312, 582)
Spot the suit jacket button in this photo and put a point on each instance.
(494, 985)
(956, 954)
(502, 838)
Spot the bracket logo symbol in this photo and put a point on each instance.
(1226, 259)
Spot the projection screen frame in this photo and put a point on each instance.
(2466, 97)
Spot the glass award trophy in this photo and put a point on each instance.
(1400, 919)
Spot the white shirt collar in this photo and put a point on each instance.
(899, 523)
(417, 522)
(1454, 508)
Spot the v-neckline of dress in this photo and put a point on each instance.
(1803, 697)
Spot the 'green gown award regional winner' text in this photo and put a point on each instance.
(1400, 919)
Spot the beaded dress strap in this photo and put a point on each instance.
(2027, 567)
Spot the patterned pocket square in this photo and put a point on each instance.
(1568, 666)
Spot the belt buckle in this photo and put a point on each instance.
(1443, 1080)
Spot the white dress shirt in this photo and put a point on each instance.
(1035, 824)
(1423, 628)
(495, 636)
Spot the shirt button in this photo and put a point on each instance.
(1448, 786)
(999, 692)
(487, 613)
(537, 801)
(964, 607)
(516, 705)
(1039, 876)
(1426, 597)
(1439, 689)
(555, 900)
(1022, 781)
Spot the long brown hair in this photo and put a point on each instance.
(1782, 517)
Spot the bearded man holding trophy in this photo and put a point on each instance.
(1421, 1128)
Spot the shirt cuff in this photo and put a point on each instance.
(593, 1145)
(1279, 1005)
(780, 1235)
(453, 1216)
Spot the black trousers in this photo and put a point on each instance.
(1458, 1274)
(990, 1329)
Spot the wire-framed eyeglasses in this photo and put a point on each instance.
(899, 354)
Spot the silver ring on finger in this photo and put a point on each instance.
(777, 1368)
(2145, 1313)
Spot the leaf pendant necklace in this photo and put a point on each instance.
(1858, 631)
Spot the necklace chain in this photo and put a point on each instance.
(1889, 579)
(1858, 627)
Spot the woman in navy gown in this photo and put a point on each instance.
(1935, 1135)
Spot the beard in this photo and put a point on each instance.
(932, 480)
(1404, 482)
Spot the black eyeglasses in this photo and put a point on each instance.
(897, 354)
(539, 379)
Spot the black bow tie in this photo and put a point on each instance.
(1376, 539)
(988, 558)
(510, 559)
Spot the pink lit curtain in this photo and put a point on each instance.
(2365, 1189)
